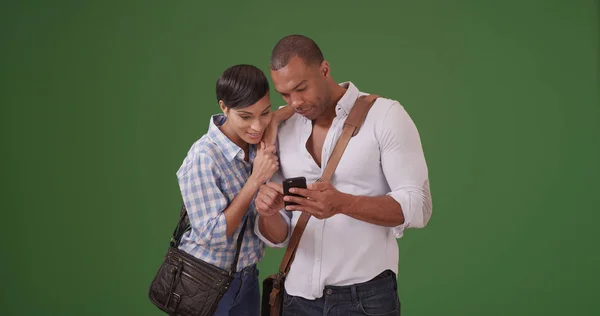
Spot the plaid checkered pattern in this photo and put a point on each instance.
(211, 175)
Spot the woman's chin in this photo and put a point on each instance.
(253, 142)
(253, 139)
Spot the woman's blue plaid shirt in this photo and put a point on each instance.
(211, 175)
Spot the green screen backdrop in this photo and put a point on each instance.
(100, 101)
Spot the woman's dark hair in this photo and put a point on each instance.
(241, 86)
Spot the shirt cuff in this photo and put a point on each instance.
(403, 198)
(268, 242)
(215, 235)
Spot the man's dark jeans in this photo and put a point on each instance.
(375, 297)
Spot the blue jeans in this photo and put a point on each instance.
(243, 296)
(375, 297)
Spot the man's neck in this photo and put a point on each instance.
(326, 118)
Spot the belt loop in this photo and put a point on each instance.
(354, 296)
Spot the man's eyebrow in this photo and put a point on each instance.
(301, 82)
(296, 87)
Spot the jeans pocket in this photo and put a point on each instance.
(288, 299)
(380, 303)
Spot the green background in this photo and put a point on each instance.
(100, 102)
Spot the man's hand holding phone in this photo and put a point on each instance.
(320, 199)
(269, 200)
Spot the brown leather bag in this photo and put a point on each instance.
(273, 285)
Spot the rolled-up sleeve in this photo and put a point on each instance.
(405, 168)
(287, 216)
(204, 201)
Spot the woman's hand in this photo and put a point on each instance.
(265, 164)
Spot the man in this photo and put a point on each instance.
(347, 259)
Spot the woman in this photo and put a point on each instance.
(220, 176)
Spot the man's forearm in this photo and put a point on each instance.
(274, 228)
(378, 210)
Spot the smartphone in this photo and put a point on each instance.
(297, 182)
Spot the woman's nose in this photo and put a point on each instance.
(257, 126)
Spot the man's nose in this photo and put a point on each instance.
(296, 102)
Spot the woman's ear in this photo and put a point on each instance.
(224, 108)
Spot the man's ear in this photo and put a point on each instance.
(325, 69)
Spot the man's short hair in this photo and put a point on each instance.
(295, 45)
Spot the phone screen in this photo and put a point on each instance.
(297, 182)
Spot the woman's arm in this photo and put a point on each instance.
(279, 116)
(234, 213)
(265, 164)
(212, 218)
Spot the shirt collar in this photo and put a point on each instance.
(346, 103)
(229, 149)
